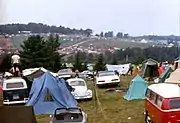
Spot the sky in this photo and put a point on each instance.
(136, 17)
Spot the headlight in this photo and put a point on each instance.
(88, 93)
(75, 94)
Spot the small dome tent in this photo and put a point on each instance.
(137, 89)
(149, 69)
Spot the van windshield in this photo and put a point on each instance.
(14, 85)
(174, 104)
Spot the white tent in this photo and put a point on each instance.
(122, 69)
(30, 71)
(174, 77)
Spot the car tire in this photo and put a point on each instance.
(90, 99)
(97, 86)
(147, 118)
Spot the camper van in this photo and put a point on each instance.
(15, 91)
(162, 103)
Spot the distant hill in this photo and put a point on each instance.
(17, 41)
(40, 28)
(155, 37)
(122, 44)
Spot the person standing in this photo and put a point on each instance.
(160, 69)
(76, 73)
(15, 60)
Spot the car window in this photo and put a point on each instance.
(148, 93)
(158, 101)
(152, 96)
(14, 85)
(174, 104)
(106, 74)
(77, 83)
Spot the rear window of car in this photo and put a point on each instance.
(107, 74)
(14, 85)
(77, 83)
(174, 104)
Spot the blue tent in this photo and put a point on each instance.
(137, 89)
(48, 93)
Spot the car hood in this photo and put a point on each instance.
(80, 90)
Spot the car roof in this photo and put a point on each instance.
(75, 79)
(14, 79)
(105, 71)
(166, 90)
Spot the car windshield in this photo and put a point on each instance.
(106, 74)
(174, 104)
(14, 85)
(77, 83)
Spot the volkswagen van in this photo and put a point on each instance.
(162, 103)
(15, 91)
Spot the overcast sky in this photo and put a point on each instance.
(137, 17)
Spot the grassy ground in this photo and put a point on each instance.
(112, 108)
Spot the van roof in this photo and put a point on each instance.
(166, 90)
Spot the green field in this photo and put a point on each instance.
(17, 41)
(110, 107)
(123, 44)
(99, 43)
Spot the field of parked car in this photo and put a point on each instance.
(109, 107)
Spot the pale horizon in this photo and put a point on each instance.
(137, 17)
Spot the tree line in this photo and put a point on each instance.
(111, 34)
(130, 55)
(43, 52)
(44, 28)
(41, 28)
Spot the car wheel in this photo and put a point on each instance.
(97, 86)
(147, 118)
(90, 99)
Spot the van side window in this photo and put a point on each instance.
(158, 101)
(174, 104)
(148, 93)
(152, 96)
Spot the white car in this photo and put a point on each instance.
(107, 78)
(81, 91)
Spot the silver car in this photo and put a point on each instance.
(69, 115)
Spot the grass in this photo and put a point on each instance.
(112, 108)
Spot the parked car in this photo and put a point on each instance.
(162, 103)
(80, 88)
(88, 74)
(107, 78)
(15, 91)
(71, 115)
